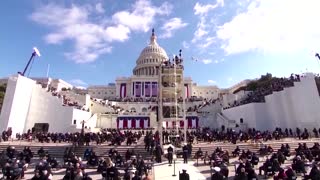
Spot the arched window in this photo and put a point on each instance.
(144, 109)
(133, 109)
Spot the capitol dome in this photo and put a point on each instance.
(150, 58)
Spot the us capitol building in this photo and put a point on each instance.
(53, 105)
(144, 81)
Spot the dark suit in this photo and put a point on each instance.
(184, 176)
(217, 176)
(170, 154)
(185, 154)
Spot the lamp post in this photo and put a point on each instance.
(174, 165)
(35, 53)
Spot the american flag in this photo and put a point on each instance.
(147, 89)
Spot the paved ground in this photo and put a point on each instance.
(165, 172)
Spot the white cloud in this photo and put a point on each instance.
(201, 30)
(203, 26)
(185, 45)
(200, 9)
(273, 26)
(206, 42)
(142, 16)
(219, 61)
(172, 25)
(99, 8)
(230, 79)
(93, 38)
(207, 61)
(210, 81)
(220, 2)
(78, 82)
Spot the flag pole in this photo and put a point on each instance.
(48, 69)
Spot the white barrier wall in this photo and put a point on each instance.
(27, 103)
(107, 121)
(16, 103)
(231, 98)
(79, 116)
(45, 108)
(293, 107)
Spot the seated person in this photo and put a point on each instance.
(119, 160)
(281, 157)
(70, 173)
(217, 175)
(199, 154)
(275, 165)
(264, 150)
(101, 165)
(270, 149)
(291, 175)
(53, 162)
(224, 170)
(36, 176)
(86, 154)
(281, 175)
(41, 152)
(251, 174)
(236, 152)
(240, 166)
(266, 167)
(242, 175)
(243, 155)
(254, 159)
(298, 165)
(225, 157)
(86, 177)
(93, 159)
(314, 173)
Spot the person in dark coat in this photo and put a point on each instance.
(170, 154)
(217, 174)
(242, 175)
(291, 175)
(314, 173)
(185, 153)
(184, 175)
(158, 154)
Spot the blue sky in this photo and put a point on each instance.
(92, 42)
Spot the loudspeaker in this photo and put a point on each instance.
(241, 120)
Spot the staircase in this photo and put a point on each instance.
(55, 150)
(254, 147)
(223, 120)
(103, 149)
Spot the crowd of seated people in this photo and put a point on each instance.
(67, 101)
(133, 164)
(14, 163)
(253, 135)
(273, 164)
(111, 136)
(274, 85)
